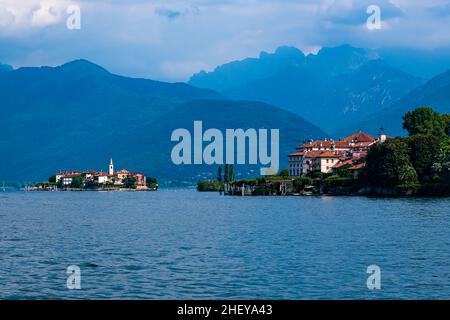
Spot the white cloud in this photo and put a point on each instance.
(169, 39)
(34, 14)
(6, 17)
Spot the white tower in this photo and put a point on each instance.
(111, 167)
(382, 135)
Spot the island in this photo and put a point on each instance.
(360, 164)
(90, 180)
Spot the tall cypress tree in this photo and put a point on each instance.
(226, 177)
(219, 174)
(231, 178)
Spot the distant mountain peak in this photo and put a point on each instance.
(443, 78)
(5, 67)
(337, 85)
(347, 49)
(82, 65)
(239, 72)
(283, 52)
(287, 51)
(344, 57)
(329, 60)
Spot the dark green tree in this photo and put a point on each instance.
(388, 164)
(343, 171)
(231, 173)
(424, 120)
(90, 184)
(130, 182)
(209, 185)
(446, 118)
(219, 174)
(226, 176)
(301, 183)
(77, 182)
(284, 173)
(151, 181)
(52, 179)
(424, 150)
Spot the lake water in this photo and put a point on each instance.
(188, 245)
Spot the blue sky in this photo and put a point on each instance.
(170, 40)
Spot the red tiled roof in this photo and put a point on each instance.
(356, 141)
(342, 163)
(296, 154)
(322, 154)
(361, 144)
(340, 144)
(317, 144)
(68, 172)
(359, 137)
(101, 174)
(90, 172)
(357, 166)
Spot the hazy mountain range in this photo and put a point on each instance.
(434, 93)
(336, 87)
(78, 115)
(340, 89)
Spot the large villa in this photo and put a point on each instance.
(328, 156)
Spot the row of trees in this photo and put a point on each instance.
(228, 175)
(419, 162)
(224, 176)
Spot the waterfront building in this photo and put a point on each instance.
(329, 155)
(122, 174)
(321, 161)
(102, 178)
(67, 179)
(140, 178)
(66, 174)
(296, 164)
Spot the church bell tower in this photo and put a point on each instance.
(111, 167)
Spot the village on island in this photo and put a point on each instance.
(122, 180)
